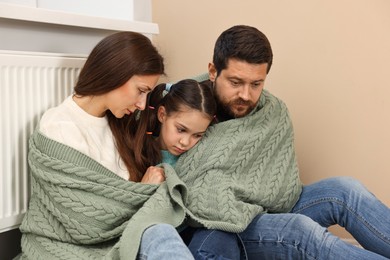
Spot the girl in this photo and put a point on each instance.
(176, 119)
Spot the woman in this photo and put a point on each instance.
(81, 199)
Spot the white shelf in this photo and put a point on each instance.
(25, 13)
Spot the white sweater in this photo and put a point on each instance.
(71, 125)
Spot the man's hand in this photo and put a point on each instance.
(153, 175)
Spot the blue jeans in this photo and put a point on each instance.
(162, 241)
(214, 245)
(302, 233)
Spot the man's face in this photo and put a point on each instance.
(239, 86)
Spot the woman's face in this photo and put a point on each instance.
(180, 131)
(131, 95)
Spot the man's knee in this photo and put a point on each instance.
(214, 244)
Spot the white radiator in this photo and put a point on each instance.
(30, 83)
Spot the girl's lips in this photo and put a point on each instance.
(178, 150)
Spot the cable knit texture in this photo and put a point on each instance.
(241, 168)
(81, 210)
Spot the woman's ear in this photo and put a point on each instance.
(161, 114)
(212, 72)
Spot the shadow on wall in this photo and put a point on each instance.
(10, 244)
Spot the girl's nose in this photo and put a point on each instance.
(184, 141)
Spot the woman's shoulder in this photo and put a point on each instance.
(60, 122)
(56, 114)
(52, 114)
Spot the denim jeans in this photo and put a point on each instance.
(214, 245)
(302, 233)
(162, 241)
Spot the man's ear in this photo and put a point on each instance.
(212, 72)
(161, 114)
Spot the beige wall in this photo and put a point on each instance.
(331, 67)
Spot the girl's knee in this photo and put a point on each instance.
(160, 230)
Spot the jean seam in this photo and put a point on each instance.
(287, 243)
(243, 247)
(350, 209)
(204, 241)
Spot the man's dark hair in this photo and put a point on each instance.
(243, 43)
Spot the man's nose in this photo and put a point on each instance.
(244, 93)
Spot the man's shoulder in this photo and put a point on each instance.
(267, 95)
(201, 77)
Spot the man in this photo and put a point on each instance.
(248, 156)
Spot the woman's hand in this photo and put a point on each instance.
(153, 175)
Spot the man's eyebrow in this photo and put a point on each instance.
(259, 80)
(239, 79)
(234, 78)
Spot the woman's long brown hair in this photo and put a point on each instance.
(112, 62)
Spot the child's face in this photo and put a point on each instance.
(180, 131)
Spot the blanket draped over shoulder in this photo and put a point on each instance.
(81, 210)
(241, 168)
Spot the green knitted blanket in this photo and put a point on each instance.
(241, 168)
(80, 210)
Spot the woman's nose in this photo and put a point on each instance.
(141, 104)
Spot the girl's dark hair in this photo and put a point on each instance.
(182, 95)
(112, 62)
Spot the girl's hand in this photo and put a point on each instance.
(153, 175)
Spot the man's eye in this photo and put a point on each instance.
(235, 83)
(256, 85)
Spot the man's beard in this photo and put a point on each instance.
(225, 109)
